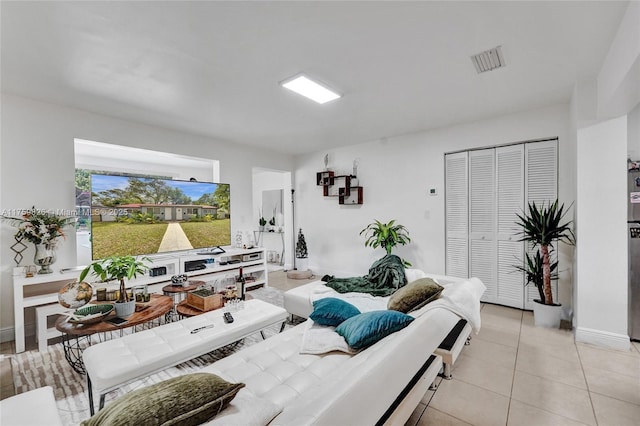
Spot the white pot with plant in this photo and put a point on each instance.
(302, 254)
(542, 227)
(119, 268)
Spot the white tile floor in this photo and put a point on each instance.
(516, 374)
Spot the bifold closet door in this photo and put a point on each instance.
(457, 215)
(509, 202)
(482, 218)
(541, 186)
(485, 189)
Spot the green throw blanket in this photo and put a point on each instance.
(385, 276)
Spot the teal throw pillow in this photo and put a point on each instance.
(332, 311)
(186, 400)
(415, 295)
(366, 329)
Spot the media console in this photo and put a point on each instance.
(43, 289)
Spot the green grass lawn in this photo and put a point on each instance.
(207, 234)
(109, 238)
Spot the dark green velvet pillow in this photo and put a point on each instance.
(332, 311)
(366, 329)
(186, 400)
(414, 295)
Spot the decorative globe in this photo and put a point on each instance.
(75, 295)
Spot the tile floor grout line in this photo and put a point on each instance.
(513, 376)
(586, 382)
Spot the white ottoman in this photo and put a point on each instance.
(34, 408)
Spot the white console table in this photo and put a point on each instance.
(43, 289)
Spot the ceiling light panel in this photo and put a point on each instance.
(313, 90)
(489, 60)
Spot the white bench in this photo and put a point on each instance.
(117, 362)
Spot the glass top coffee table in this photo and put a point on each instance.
(76, 337)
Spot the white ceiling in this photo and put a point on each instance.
(213, 68)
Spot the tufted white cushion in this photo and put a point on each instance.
(334, 388)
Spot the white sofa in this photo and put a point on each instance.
(336, 388)
(299, 300)
(380, 384)
(362, 389)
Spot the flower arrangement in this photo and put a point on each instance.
(40, 226)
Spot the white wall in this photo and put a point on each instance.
(601, 251)
(633, 136)
(619, 76)
(37, 167)
(396, 175)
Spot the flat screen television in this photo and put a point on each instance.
(133, 215)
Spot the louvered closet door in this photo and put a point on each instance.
(482, 250)
(457, 219)
(509, 202)
(541, 186)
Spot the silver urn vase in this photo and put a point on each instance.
(45, 256)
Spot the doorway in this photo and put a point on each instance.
(272, 201)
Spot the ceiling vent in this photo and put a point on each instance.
(489, 60)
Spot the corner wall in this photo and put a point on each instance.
(601, 254)
(37, 169)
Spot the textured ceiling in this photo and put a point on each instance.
(213, 68)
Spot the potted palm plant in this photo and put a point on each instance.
(543, 227)
(386, 235)
(118, 268)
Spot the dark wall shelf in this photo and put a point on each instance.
(339, 186)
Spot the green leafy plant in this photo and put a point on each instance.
(40, 226)
(533, 271)
(262, 221)
(386, 235)
(542, 226)
(117, 268)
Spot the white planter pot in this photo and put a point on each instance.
(546, 315)
(125, 309)
(302, 264)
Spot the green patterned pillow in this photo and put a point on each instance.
(186, 400)
(414, 295)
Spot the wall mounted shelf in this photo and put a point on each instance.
(340, 186)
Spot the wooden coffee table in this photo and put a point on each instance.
(77, 337)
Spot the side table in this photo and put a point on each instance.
(178, 293)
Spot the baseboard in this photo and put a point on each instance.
(8, 334)
(603, 338)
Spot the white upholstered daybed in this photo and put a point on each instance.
(381, 384)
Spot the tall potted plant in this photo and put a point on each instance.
(118, 268)
(386, 235)
(543, 227)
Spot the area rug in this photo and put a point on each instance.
(34, 369)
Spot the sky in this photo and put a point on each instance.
(194, 190)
